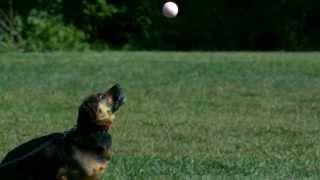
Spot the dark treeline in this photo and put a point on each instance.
(138, 24)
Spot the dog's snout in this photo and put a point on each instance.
(117, 97)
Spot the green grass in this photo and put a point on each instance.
(188, 115)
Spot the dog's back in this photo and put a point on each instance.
(29, 160)
(29, 148)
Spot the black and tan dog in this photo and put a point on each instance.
(82, 153)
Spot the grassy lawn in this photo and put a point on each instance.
(188, 115)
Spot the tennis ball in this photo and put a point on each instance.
(170, 9)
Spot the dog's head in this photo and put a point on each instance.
(98, 110)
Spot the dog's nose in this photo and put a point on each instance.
(117, 95)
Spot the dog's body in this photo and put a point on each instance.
(71, 156)
(82, 153)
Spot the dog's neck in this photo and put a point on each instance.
(75, 135)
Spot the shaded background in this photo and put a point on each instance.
(32, 25)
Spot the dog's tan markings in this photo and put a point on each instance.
(89, 163)
(104, 113)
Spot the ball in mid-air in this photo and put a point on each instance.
(170, 9)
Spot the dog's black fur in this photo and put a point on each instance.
(79, 154)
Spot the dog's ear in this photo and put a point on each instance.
(116, 97)
(87, 110)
